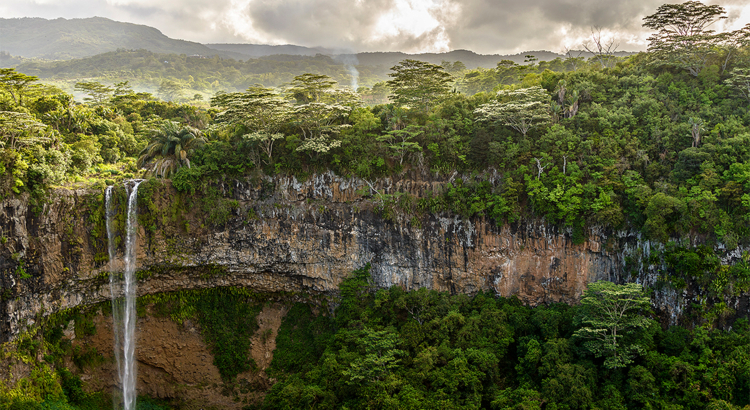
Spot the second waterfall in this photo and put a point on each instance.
(123, 291)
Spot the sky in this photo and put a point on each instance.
(412, 26)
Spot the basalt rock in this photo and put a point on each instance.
(284, 235)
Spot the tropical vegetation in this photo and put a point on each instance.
(657, 143)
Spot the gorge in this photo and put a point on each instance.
(284, 235)
(294, 240)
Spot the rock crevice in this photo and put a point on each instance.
(292, 236)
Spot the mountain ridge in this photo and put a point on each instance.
(66, 39)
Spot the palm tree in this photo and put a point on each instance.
(172, 145)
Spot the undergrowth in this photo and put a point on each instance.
(227, 319)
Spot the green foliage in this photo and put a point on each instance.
(610, 312)
(625, 147)
(390, 347)
(72, 386)
(418, 85)
(16, 84)
(521, 109)
(187, 180)
(425, 349)
(227, 320)
(21, 272)
(302, 337)
(174, 145)
(683, 38)
(474, 199)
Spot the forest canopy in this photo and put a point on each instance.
(657, 142)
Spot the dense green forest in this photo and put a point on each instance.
(638, 145)
(427, 350)
(391, 349)
(656, 143)
(146, 71)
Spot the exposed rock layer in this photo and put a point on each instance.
(291, 236)
(174, 362)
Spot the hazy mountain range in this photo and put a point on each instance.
(64, 39)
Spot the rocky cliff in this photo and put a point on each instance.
(284, 235)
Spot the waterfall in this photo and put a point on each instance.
(115, 285)
(123, 296)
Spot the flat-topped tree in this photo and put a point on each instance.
(19, 129)
(684, 39)
(418, 85)
(691, 18)
(98, 93)
(521, 109)
(739, 80)
(320, 111)
(319, 123)
(261, 111)
(16, 83)
(610, 313)
(308, 88)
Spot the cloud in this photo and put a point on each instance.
(362, 25)
(484, 26)
(514, 26)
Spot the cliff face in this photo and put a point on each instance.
(285, 235)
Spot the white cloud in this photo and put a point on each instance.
(485, 26)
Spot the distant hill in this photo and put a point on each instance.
(263, 50)
(469, 58)
(63, 39)
(383, 59)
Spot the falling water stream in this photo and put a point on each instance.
(123, 296)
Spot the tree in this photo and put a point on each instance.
(174, 144)
(602, 49)
(683, 38)
(307, 88)
(260, 110)
(170, 90)
(521, 109)
(418, 85)
(696, 127)
(319, 110)
(378, 94)
(566, 104)
(455, 68)
(739, 80)
(98, 92)
(16, 83)
(19, 129)
(731, 43)
(265, 141)
(400, 141)
(380, 356)
(318, 123)
(610, 313)
(122, 88)
(572, 62)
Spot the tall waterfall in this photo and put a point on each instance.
(123, 296)
(114, 283)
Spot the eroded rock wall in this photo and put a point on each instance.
(174, 362)
(292, 236)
